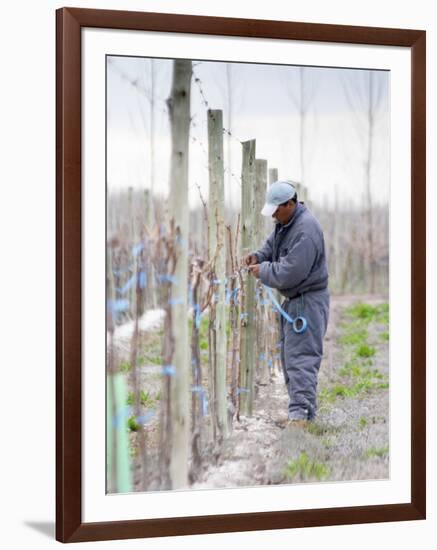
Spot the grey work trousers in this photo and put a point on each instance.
(301, 354)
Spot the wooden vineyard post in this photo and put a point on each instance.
(233, 320)
(259, 238)
(217, 250)
(273, 321)
(197, 396)
(248, 309)
(273, 175)
(179, 111)
(259, 199)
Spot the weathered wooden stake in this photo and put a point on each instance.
(259, 238)
(197, 396)
(217, 250)
(272, 319)
(179, 111)
(233, 322)
(273, 175)
(248, 221)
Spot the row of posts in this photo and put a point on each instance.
(254, 229)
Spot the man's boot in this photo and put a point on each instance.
(291, 423)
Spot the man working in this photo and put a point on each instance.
(293, 261)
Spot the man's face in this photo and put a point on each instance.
(283, 213)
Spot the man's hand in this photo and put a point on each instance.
(254, 269)
(250, 259)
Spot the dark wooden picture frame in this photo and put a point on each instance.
(69, 524)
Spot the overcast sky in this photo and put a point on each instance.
(265, 103)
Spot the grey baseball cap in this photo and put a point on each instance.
(277, 193)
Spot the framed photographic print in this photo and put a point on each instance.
(240, 274)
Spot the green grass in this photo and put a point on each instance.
(145, 398)
(367, 313)
(354, 337)
(376, 452)
(384, 336)
(150, 359)
(352, 369)
(383, 315)
(361, 386)
(124, 366)
(363, 422)
(303, 468)
(364, 350)
(362, 311)
(377, 374)
(340, 390)
(325, 396)
(132, 424)
(319, 429)
(356, 375)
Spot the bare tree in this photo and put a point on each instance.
(364, 93)
(301, 93)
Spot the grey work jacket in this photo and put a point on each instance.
(293, 257)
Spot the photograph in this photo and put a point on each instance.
(217, 216)
(247, 274)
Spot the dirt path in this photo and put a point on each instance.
(349, 438)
